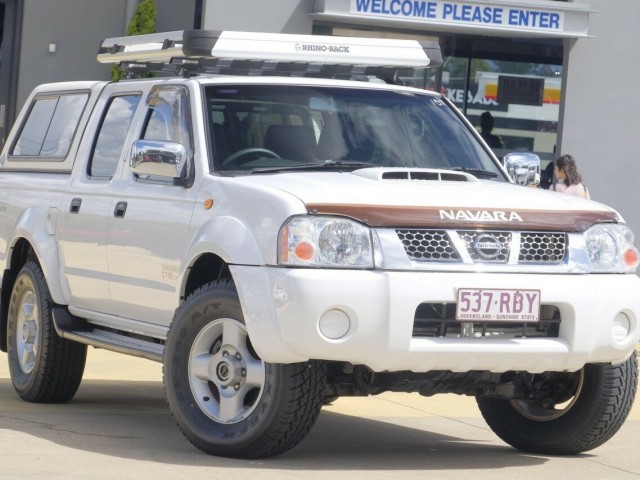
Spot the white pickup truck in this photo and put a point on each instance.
(280, 228)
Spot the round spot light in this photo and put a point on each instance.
(334, 324)
(620, 327)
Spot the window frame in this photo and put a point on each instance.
(44, 96)
(100, 126)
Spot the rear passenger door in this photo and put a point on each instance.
(89, 199)
(149, 225)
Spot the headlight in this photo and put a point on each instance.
(322, 241)
(610, 248)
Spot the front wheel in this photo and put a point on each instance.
(225, 399)
(583, 411)
(44, 367)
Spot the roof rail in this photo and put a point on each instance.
(187, 52)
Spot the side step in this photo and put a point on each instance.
(78, 330)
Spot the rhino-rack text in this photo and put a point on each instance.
(317, 47)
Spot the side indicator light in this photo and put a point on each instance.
(304, 251)
(631, 258)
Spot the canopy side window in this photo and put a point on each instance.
(50, 126)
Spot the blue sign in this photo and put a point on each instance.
(462, 13)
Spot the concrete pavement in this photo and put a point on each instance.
(118, 427)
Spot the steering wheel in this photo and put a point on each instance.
(248, 151)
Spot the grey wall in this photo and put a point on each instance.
(175, 15)
(283, 16)
(77, 42)
(601, 116)
(62, 22)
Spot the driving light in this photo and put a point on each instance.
(334, 324)
(621, 327)
(324, 241)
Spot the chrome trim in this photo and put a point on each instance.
(395, 257)
(158, 158)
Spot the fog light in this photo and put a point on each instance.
(334, 324)
(621, 327)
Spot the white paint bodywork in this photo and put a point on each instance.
(130, 273)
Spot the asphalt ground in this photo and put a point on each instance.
(119, 427)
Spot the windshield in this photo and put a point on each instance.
(262, 128)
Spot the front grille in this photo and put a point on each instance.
(438, 320)
(483, 246)
(428, 245)
(542, 247)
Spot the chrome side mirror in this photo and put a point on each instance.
(523, 168)
(158, 159)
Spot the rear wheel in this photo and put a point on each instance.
(582, 411)
(44, 367)
(225, 399)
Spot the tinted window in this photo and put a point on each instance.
(255, 127)
(112, 134)
(50, 126)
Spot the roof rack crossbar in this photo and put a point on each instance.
(187, 67)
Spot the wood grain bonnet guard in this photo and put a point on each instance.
(444, 217)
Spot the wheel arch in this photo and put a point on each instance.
(219, 243)
(204, 269)
(41, 248)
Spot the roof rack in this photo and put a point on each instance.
(188, 52)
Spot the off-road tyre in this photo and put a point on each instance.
(598, 410)
(44, 367)
(224, 398)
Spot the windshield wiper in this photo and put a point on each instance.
(327, 164)
(477, 172)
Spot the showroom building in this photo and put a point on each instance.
(557, 76)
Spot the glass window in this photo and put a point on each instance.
(519, 122)
(50, 126)
(112, 134)
(255, 127)
(168, 117)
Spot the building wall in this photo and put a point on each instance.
(77, 27)
(175, 15)
(600, 117)
(72, 27)
(285, 16)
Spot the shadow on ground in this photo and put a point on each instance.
(130, 420)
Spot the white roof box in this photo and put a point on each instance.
(221, 48)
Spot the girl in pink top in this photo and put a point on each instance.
(568, 178)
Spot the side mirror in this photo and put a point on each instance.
(523, 168)
(159, 159)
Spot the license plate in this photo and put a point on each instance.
(498, 305)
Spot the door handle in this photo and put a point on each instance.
(121, 208)
(75, 205)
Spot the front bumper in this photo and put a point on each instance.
(283, 308)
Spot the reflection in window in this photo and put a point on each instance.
(168, 117)
(50, 126)
(520, 126)
(285, 126)
(112, 134)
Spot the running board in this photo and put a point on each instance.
(78, 330)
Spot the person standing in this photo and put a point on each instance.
(486, 128)
(568, 180)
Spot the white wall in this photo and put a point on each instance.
(601, 117)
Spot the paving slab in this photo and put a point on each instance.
(119, 427)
